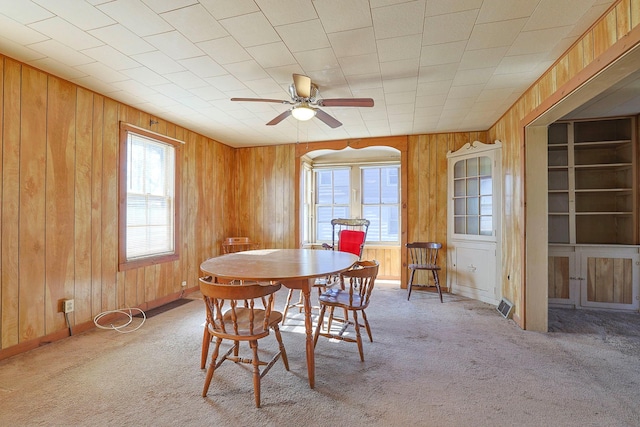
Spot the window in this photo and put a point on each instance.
(148, 188)
(380, 203)
(356, 191)
(332, 199)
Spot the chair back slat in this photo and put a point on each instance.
(231, 308)
(240, 311)
(423, 253)
(360, 281)
(238, 244)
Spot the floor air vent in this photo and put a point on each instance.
(505, 308)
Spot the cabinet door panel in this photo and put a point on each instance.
(607, 280)
(475, 266)
(559, 277)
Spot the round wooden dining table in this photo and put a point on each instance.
(292, 267)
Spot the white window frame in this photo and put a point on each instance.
(355, 201)
(168, 196)
(381, 204)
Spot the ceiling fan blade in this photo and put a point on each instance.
(277, 101)
(346, 102)
(302, 85)
(279, 118)
(329, 120)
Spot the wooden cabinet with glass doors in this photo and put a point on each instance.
(592, 207)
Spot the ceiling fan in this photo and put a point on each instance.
(306, 100)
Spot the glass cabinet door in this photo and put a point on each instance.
(473, 196)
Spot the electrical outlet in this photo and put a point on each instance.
(67, 306)
(184, 283)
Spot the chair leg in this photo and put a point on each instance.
(286, 306)
(319, 325)
(330, 319)
(206, 340)
(436, 280)
(366, 325)
(410, 283)
(283, 352)
(358, 335)
(212, 367)
(256, 371)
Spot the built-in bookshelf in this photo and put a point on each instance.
(591, 171)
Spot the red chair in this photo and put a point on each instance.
(351, 234)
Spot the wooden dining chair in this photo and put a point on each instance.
(238, 244)
(240, 313)
(424, 256)
(348, 235)
(353, 296)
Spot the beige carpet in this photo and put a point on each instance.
(453, 364)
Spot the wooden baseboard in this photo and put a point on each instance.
(84, 327)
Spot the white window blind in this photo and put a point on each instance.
(150, 204)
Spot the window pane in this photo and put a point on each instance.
(372, 213)
(472, 167)
(389, 224)
(324, 191)
(485, 166)
(486, 226)
(371, 186)
(390, 193)
(472, 187)
(460, 206)
(472, 206)
(341, 212)
(341, 186)
(136, 210)
(380, 203)
(486, 205)
(472, 225)
(459, 187)
(458, 169)
(486, 187)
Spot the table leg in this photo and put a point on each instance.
(308, 326)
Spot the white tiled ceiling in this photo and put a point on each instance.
(430, 65)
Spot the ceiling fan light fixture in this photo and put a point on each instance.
(303, 112)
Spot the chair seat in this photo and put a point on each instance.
(340, 298)
(244, 323)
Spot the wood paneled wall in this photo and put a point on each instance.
(59, 204)
(265, 195)
(59, 215)
(427, 190)
(601, 44)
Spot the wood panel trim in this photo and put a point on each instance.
(607, 58)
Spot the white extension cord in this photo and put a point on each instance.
(120, 328)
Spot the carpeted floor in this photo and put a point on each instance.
(453, 364)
